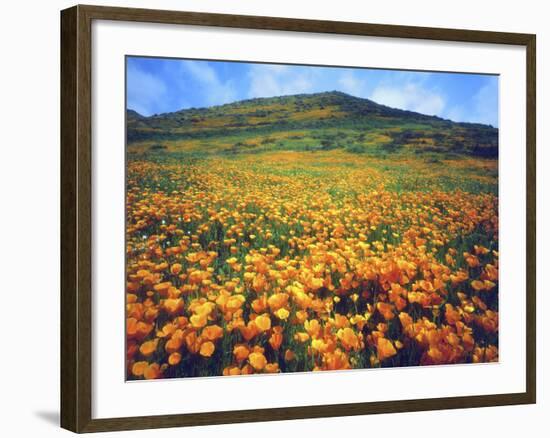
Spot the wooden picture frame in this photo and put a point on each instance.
(76, 217)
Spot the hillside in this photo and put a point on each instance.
(320, 121)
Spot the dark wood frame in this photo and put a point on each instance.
(76, 239)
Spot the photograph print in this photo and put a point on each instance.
(295, 218)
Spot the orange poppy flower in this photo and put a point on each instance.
(162, 288)
(152, 371)
(174, 358)
(263, 322)
(385, 349)
(276, 338)
(289, 355)
(272, 368)
(149, 347)
(207, 349)
(241, 352)
(198, 321)
(386, 310)
(212, 332)
(138, 368)
(172, 305)
(348, 338)
(257, 360)
(175, 269)
(282, 313)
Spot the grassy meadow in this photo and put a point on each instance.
(308, 234)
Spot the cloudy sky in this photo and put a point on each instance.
(157, 85)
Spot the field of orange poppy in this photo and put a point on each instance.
(293, 261)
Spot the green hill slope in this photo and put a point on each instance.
(320, 121)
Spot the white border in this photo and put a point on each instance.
(113, 397)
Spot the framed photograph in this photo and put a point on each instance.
(268, 218)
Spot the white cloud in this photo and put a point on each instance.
(351, 84)
(216, 91)
(275, 68)
(486, 104)
(482, 107)
(456, 114)
(279, 80)
(412, 96)
(145, 91)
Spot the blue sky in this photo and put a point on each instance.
(159, 85)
